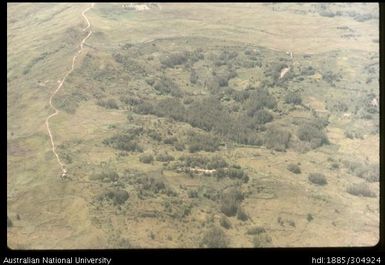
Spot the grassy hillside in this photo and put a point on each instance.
(194, 125)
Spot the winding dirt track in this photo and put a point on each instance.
(64, 170)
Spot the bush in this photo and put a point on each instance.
(370, 173)
(318, 179)
(174, 59)
(164, 157)
(130, 100)
(312, 134)
(205, 142)
(116, 196)
(262, 116)
(259, 99)
(106, 175)
(262, 240)
(167, 86)
(294, 168)
(326, 13)
(216, 162)
(150, 184)
(193, 77)
(9, 222)
(192, 194)
(109, 103)
(309, 217)
(293, 98)
(225, 222)
(231, 201)
(256, 230)
(170, 107)
(154, 135)
(124, 142)
(232, 172)
(241, 214)
(337, 106)
(170, 140)
(147, 159)
(277, 139)
(361, 189)
(214, 238)
(144, 108)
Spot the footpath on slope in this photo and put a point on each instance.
(62, 166)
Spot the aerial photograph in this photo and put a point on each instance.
(192, 125)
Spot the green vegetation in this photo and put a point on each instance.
(262, 240)
(164, 157)
(9, 222)
(225, 222)
(108, 103)
(146, 158)
(312, 134)
(125, 142)
(371, 173)
(360, 189)
(215, 238)
(107, 175)
(294, 168)
(241, 214)
(117, 197)
(277, 139)
(293, 98)
(256, 230)
(230, 202)
(318, 179)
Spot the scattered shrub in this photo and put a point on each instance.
(259, 99)
(370, 173)
(241, 214)
(294, 168)
(309, 217)
(312, 134)
(225, 222)
(170, 140)
(318, 179)
(353, 134)
(232, 172)
(118, 197)
(192, 194)
(256, 230)
(193, 77)
(167, 86)
(214, 238)
(124, 142)
(293, 98)
(174, 59)
(151, 185)
(109, 103)
(262, 116)
(262, 240)
(107, 175)
(361, 189)
(9, 222)
(231, 201)
(170, 107)
(146, 158)
(277, 139)
(205, 142)
(164, 157)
